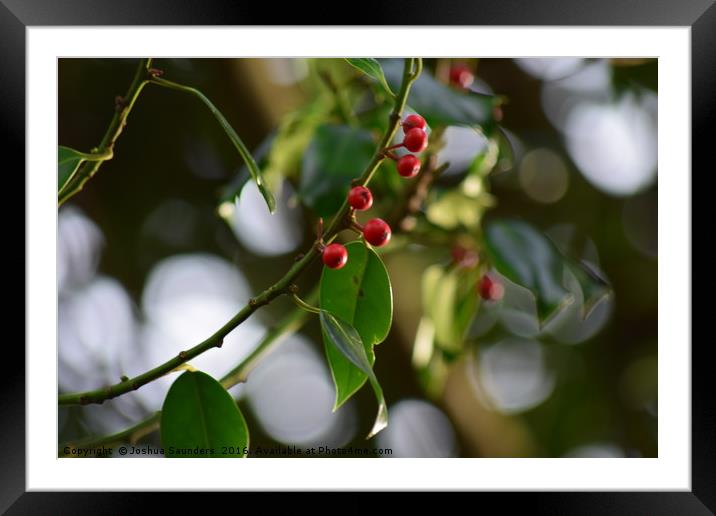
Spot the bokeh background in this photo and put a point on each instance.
(147, 267)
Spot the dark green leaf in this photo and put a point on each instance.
(591, 285)
(360, 294)
(442, 105)
(199, 412)
(594, 287)
(336, 155)
(526, 257)
(345, 338)
(372, 68)
(68, 161)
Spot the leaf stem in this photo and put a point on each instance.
(96, 156)
(230, 132)
(305, 306)
(280, 287)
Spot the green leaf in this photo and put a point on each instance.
(372, 68)
(345, 338)
(360, 293)
(453, 208)
(199, 412)
(336, 155)
(293, 135)
(526, 257)
(589, 280)
(485, 161)
(442, 105)
(450, 301)
(68, 161)
(424, 344)
(594, 287)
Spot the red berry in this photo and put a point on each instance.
(460, 75)
(335, 256)
(415, 140)
(408, 165)
(360, 198)
(377, 232)
(413, 122)
(490, 288)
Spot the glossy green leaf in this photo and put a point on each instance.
(372, 68)
(68, 161)
(342, 336)
(336, 155)
(528, 258)
(360, 294)
(442, 105)
(199, 413)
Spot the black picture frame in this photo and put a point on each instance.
(700, 15)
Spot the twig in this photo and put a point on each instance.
(124, 106)
(410, 74)
(290, 324)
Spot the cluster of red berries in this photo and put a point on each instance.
(376, 231)
(415, 140)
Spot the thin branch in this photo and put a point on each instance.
(124, 106)
(215, 341)
(289, 325)
(409, 76)
(268, 295)
(415, 197)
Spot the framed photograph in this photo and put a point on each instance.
(468, 252)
